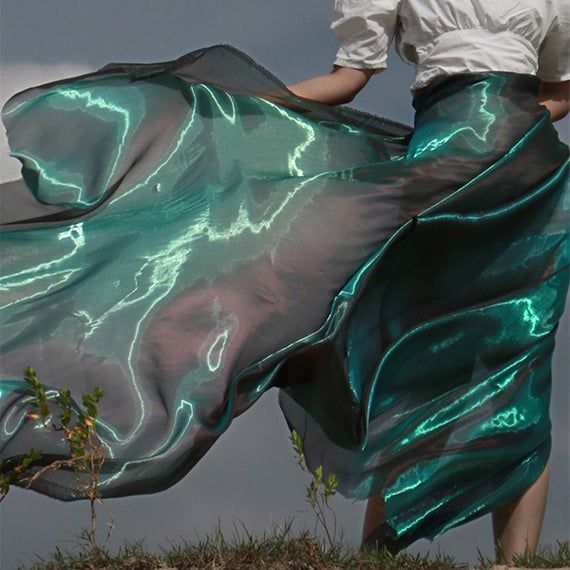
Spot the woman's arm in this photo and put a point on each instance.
(335, 88)
(555, 97)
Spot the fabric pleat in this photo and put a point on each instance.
(189, 234)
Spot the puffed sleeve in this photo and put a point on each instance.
(554, 53)
(365, 29)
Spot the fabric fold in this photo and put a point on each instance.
(189, 234)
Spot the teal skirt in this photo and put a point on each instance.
(189, 234)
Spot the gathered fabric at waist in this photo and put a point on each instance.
(466, 122)
(469, 123)
(500, 101)
(506, 84)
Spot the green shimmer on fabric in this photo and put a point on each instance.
(188, 234)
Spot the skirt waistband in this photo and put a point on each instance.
(508, 82)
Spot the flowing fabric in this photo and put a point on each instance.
(189, 234)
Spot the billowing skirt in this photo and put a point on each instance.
(189, 234)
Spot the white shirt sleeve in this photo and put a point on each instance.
(365, 29)
(554, 53)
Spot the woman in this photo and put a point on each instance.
(442, 38)
(191, 233)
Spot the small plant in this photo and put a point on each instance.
(319, 489)
(9, 476)
(86, 455)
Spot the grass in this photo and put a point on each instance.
(275, 550)
(546, 557)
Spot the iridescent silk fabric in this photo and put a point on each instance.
(189, 234)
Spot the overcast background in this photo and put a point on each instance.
(250, 474)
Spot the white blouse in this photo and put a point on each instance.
(442, 37)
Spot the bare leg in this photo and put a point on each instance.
(374, 515)
(521, 520)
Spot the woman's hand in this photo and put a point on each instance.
(335, 88)
(555, 96)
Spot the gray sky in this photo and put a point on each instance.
(250, 474)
